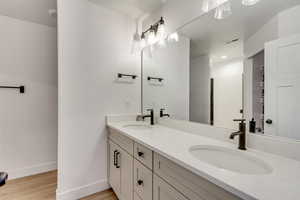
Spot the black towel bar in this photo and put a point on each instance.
(155, 78)
(127, 75)
(21, 88)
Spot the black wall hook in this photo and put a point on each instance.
(127, 75)
(21, 88)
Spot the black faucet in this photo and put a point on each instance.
(241, 133)
(151, 116)
(161, 113)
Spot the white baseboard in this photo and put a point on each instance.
(32, 170)
(83, 191)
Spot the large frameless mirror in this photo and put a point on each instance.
(239, 60)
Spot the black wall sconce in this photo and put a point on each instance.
(20, 88)
(127, 75)
(155, 78)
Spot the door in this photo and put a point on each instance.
(126, 164)
(114, 168)
(228, 100)
(282, 87)
(163, 191)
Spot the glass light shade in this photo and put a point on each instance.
(162, 43)
(135, 46)
(223, 11)
(152, 38)
(174, 37)
(143, 43)
(161, 32)
(250, 2)
(211, 4)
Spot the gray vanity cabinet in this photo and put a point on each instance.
(138, 173)
(142, 181)
(120, 171)
(163, 191)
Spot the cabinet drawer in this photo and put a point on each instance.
(164, 191)
(123, 141)
(143, 154)
(190, 185)
(142, 181)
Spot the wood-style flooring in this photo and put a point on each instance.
(41, 187)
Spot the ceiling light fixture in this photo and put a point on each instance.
(249, 2)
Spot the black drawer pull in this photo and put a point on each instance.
(117, 160)
(140, 154)
(269, 121)
(140, 182)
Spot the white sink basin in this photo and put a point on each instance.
(138, 126)
(232, 160)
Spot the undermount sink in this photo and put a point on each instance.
(232, 160)
(138, 126)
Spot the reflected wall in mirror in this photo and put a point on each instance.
(246, 65)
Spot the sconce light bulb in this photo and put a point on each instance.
(174, 37)
(161, 32)
(143, 43)
(152, 38)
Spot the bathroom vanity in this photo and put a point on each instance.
(134, 167)
(160, 163)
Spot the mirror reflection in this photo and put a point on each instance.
(233, 62)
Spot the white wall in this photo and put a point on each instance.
(28, 122)
(200, 89)
(94, 45)
(172, 64)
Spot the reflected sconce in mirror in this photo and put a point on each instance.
(155, 78)
(127, 75)
(223, 7)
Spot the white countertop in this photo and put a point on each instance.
(282, 184)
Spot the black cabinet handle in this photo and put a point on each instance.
(269, 121)
(117, 160)
(140, 154)
(140, 182)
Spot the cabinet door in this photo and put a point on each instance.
(142, 181)
(125, 161)
(163, 191)
(114, 170)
